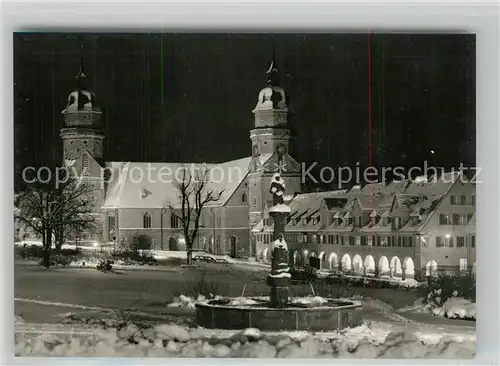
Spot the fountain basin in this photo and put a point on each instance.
(332, 315)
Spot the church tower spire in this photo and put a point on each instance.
(82, 134)
(273, 72)
(270, 145)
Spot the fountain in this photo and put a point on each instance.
(279, 312)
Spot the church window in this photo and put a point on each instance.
(174, 221)
(244, 198)
(147, 220)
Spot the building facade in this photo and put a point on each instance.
(401, 229)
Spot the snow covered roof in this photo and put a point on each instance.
(152, 185)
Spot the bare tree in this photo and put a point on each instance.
(194, 194)
(74, 214)
(56, 212)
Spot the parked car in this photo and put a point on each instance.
(204, 258)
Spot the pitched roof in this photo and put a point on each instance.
(152, 185)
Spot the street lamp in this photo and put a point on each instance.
(95, 247)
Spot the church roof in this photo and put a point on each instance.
(152, 185)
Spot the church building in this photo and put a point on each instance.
(134, 197)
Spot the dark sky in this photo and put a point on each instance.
(189, 96)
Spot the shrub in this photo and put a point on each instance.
(445, 286)
(135, 256)
(57, 256)
(141, 242)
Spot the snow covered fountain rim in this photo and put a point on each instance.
(296, 303)
(307, 313)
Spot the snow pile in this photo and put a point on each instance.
(18, 319)
(187, 302)
(280, 275)
(239, 301)
(89, 262)
(171, 340)
(457, 307)
(309, 301)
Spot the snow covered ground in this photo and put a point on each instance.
(370, 340)
(453, 308)
(457, 308)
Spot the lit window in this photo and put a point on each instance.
(463, 264)
(444, 219)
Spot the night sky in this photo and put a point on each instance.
(189, 97)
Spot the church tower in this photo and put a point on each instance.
(83, 153)
(82, 135)
(270, 147)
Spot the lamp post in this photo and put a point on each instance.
(213, 235)
(95, 248)
(117, 230)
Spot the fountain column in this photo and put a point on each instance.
(279, 278)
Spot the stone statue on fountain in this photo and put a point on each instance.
(279, 278)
